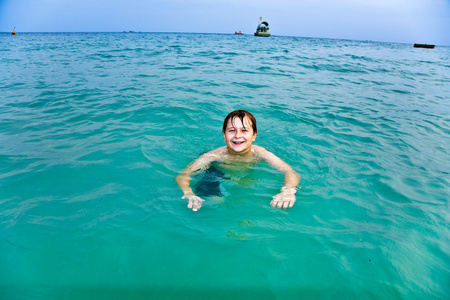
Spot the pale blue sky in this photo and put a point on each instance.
(406, 21)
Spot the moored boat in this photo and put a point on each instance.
(262, 29)
(424, 46)
(238, 32)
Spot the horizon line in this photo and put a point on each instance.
(222, 33)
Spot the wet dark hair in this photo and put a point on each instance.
(241, 114)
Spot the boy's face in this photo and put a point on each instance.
(238, 136)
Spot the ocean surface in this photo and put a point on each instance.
(94, 128)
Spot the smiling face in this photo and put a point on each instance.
(239, 137)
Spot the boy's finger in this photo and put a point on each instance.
(196, 206)
(191, 203)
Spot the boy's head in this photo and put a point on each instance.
(241, 114)
(239, 131)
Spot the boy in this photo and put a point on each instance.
(239, 130)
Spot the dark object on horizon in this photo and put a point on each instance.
(262, 29)
(238, 32)
(423, 46)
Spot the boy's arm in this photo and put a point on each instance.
(286, 198)
(183, 180)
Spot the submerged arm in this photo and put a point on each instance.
(286, 198)
(184, 178)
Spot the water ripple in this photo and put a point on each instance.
(94, 128)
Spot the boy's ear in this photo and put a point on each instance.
(254, 136)
(224, 136)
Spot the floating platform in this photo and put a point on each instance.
(424, 46)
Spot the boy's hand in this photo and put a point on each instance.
(285, 199)
(194, 202)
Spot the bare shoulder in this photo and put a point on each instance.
(204, 161)
(260, 151)
(215, 154)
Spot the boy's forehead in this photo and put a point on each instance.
(236, 121)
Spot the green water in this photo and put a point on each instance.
(94, 128)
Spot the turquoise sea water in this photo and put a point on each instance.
(94, 128)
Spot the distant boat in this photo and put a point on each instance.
(262, 29)
(13, 32)
(238, 32)
(423, 46)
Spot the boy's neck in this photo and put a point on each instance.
(249, 152)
